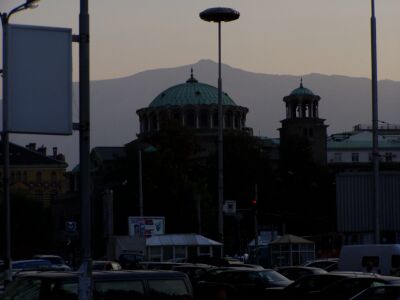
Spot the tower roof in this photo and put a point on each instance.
(300, 91)
(191, 92)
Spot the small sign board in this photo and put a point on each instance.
(146, 226)
(38, 89)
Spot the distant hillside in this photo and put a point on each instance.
(345, 101)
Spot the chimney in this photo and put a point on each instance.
(42, 150)
(54, 152)
(31, 146)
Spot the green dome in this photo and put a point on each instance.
(300, 91)
(190, 93)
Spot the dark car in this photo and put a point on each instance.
(296, 272)
(194, 271)
(303, 287)
(120, 285)
(328, 264)
(241, 283)
(386, 292)
(346, 288)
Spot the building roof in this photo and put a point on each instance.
(290, 239)
(22, 156)
(191, 92)
(300, 91)
(109, 153)
(190, 239)
(362, 140)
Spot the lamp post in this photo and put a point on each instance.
(375, 145)
(5, 17)
(218, 15)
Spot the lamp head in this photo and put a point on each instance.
(32, 3)
(219, 14)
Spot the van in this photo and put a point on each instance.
(107, 285)
(376, 258)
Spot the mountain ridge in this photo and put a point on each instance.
(345, 101)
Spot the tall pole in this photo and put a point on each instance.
(140, 184)
(375, 146)
(85, 286)
(256, 224)
(220, 145)
(6, 161)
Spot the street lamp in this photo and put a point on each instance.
(5, 17)
(218, 15)
(375, 146)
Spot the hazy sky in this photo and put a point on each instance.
(271, 36)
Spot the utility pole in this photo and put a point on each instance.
(85, 279)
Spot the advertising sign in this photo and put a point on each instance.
(146, 226)
(39, 80)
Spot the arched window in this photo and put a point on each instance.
(153, 122)
(215, 119)
(190, 119)
(204, 119)
(53, 177)
(228, 120)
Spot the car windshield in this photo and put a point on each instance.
(271, 276)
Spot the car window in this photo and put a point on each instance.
(121, 290)
(26, 289)
(168, 289)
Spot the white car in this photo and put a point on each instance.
(57, 262)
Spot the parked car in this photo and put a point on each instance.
(156, 265)
(105, 265)
(57, 262)
(121, 285)
(328, 264)
(296, 272)
(242, 283)
(194, 271)
(347, 288)
(386, 292)
(303, 287)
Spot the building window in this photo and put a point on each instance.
(305, 131)
(24, 177)
(215, 120)
(338, 157)
(355, 157)
(53, 177)
(311, 132)
(370, 156)
(38, 177)
(389, 156)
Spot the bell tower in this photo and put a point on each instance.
(302, 122)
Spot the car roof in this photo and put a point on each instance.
(115, 275)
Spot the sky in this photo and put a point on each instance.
(271, 36)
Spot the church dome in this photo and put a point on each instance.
(301, 91)
(191, 92)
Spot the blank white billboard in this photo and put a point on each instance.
(39, 80)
